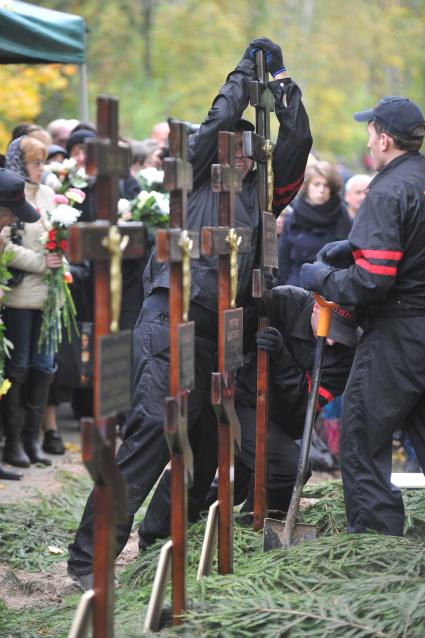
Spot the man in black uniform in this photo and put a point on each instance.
(382, 272)
(291, 344)
(144, 452)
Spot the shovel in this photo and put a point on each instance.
(289, 532)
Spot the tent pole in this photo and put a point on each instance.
(84, 95)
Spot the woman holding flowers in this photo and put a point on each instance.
(29, 369)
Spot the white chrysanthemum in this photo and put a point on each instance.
(162, 201)
(142, 198)
(53, 167)
(64, 215)
(68, 165)
(54, 182)
(123, 206)
(152, 175)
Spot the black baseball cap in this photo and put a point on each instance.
(244, 125)
(394, 114)
(343, 328)
(12, 196)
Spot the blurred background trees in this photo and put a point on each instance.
(168, 57)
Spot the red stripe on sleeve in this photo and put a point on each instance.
(389, 271)
(284, 189)
(395, 255)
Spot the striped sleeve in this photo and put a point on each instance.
(377, 247)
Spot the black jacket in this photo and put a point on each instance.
(305, 231)
(289, 160)
(388, 244)
(290, 376)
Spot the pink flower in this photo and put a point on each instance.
(76, 195)
(60, 199)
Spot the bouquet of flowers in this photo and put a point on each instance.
(58, 279)
(65, 175)
(5, 345)
(152, 204)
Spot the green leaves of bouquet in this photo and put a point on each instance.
(152, 204)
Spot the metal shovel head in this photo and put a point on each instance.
(274, 534)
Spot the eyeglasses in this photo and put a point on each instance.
(36, 163)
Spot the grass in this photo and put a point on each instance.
(354, 586)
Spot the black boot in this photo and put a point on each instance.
(7, 475)
(12, 417)
(36, 397)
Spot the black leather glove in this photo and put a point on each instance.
(337, 254)
(268, 279)
(250, 53)
(270, 340)
(311, 275)
(273, 54)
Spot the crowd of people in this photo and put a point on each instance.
(357, 239)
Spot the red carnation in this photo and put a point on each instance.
(51, 245)
(63, 245)
(52, 234)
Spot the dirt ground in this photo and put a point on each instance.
(19, 588)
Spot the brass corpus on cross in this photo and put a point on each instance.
(186, 245)
(116, 246)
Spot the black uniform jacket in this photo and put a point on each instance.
(289, 160)
(290, 376)
(388, 244)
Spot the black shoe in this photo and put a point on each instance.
(33, 448)
(6, 475)
(84, 581)
(14, 453)
(53, 443)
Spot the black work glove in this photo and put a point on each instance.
(270, 340)
(272, 53)
(337, 254)
(268, 279)
(312, 275)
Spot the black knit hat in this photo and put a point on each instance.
(78, 137)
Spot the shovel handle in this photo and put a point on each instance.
(325, 315)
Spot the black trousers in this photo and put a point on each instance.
(385, 392)
(282, 469)
(144, 453)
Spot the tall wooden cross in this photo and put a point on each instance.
(226, 241)
(177, 246)
(259, 147)
(104, 243)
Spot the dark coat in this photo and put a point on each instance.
(289, 160)
(306, 230)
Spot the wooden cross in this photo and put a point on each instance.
(259, 147)
(102, 243)
(226, 241)
(177, 246)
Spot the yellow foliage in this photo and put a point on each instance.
(21, 90)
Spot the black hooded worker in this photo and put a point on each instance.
(380, 269)
(144, 453)
(291, 344)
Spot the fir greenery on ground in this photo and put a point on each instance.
(354, 586)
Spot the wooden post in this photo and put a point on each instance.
(259, 147)
(102, 243)
(177, 246)
(226, 241)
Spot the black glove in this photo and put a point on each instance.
(337, 254)
(273, 54)
(312, 275)
(270, 340)
(268, 279)
(250, 53)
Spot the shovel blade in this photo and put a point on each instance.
(274, 534)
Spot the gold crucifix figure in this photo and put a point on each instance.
(116, 246)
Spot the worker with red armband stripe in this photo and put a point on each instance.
(380, 270)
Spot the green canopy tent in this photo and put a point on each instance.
(34, 35)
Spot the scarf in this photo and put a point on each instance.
(320, 216)
(15, 160)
